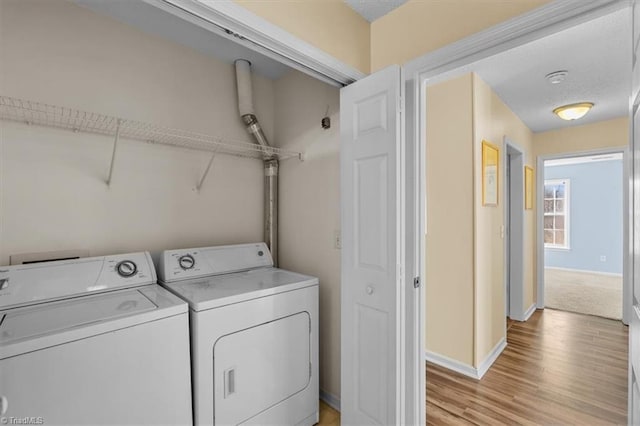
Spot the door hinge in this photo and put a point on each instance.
(416, 282)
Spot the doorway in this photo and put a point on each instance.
(583, 234)
(469, 88)
(514, 231)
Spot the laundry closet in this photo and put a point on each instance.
(160, 157)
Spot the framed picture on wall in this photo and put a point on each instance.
(528, 187)
(490, 166)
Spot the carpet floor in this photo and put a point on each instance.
(583, 292)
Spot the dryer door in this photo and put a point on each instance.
(256, 368)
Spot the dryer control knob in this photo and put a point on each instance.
(126, 268)
(186, 262)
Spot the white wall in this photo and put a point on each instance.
(52, 190)
(310, 202)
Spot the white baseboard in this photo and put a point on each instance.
(529, 312)
(493, 355)
(526, 314)
(584, 271)
(331, 400)
(451, 364)
(466, 369)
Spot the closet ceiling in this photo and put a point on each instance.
(159, 23)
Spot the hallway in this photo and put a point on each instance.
(558, 368)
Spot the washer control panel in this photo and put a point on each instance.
(176, 265)
(22, 285)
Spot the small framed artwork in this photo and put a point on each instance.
(528, 187)
(490, 166)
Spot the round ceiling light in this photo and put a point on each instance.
(557, 77)
(573, 111)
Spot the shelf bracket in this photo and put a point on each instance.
(206, 171)
(113, 155)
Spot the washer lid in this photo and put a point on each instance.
(221, 290)
(48, 324)
(34, 321)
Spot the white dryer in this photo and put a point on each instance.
(92, 341)
(254, 335)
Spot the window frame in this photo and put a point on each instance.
(566, 213)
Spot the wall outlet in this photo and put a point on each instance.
(603, 258)
(337, 240)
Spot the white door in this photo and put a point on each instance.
(634, 324)
(372, 391)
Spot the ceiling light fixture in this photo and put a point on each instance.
(573, 111)
(556, 76)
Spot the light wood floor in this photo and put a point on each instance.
(558, 368)
(328, 416)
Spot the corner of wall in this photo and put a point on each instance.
(349, 37)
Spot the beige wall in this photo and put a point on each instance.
(465, 247)
(329, 25)
(493, 120)
(588, 137)
(310, 202)
(450, 228)
(53, 194)
(421, 26)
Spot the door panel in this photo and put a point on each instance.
(634, 324)
(371, 188)
(257, 368)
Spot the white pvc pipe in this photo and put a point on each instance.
(243, 80)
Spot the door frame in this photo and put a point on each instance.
(514, 230)
(443, 63)
(627, 258)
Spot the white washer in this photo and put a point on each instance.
(92, 341)
(254, 335)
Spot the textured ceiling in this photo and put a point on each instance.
(374, 9)
(597, 56)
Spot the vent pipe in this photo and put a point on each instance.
(245, 107)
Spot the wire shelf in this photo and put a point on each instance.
(30, 112)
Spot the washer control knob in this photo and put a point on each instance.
(186, 261)
(126, 268)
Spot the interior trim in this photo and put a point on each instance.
(466, 369)
(492, 357)
(330, 399)
(545, 20)
(451, 364)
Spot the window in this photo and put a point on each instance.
(556, 213)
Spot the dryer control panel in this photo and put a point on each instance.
(38, 282)
(177, 265)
